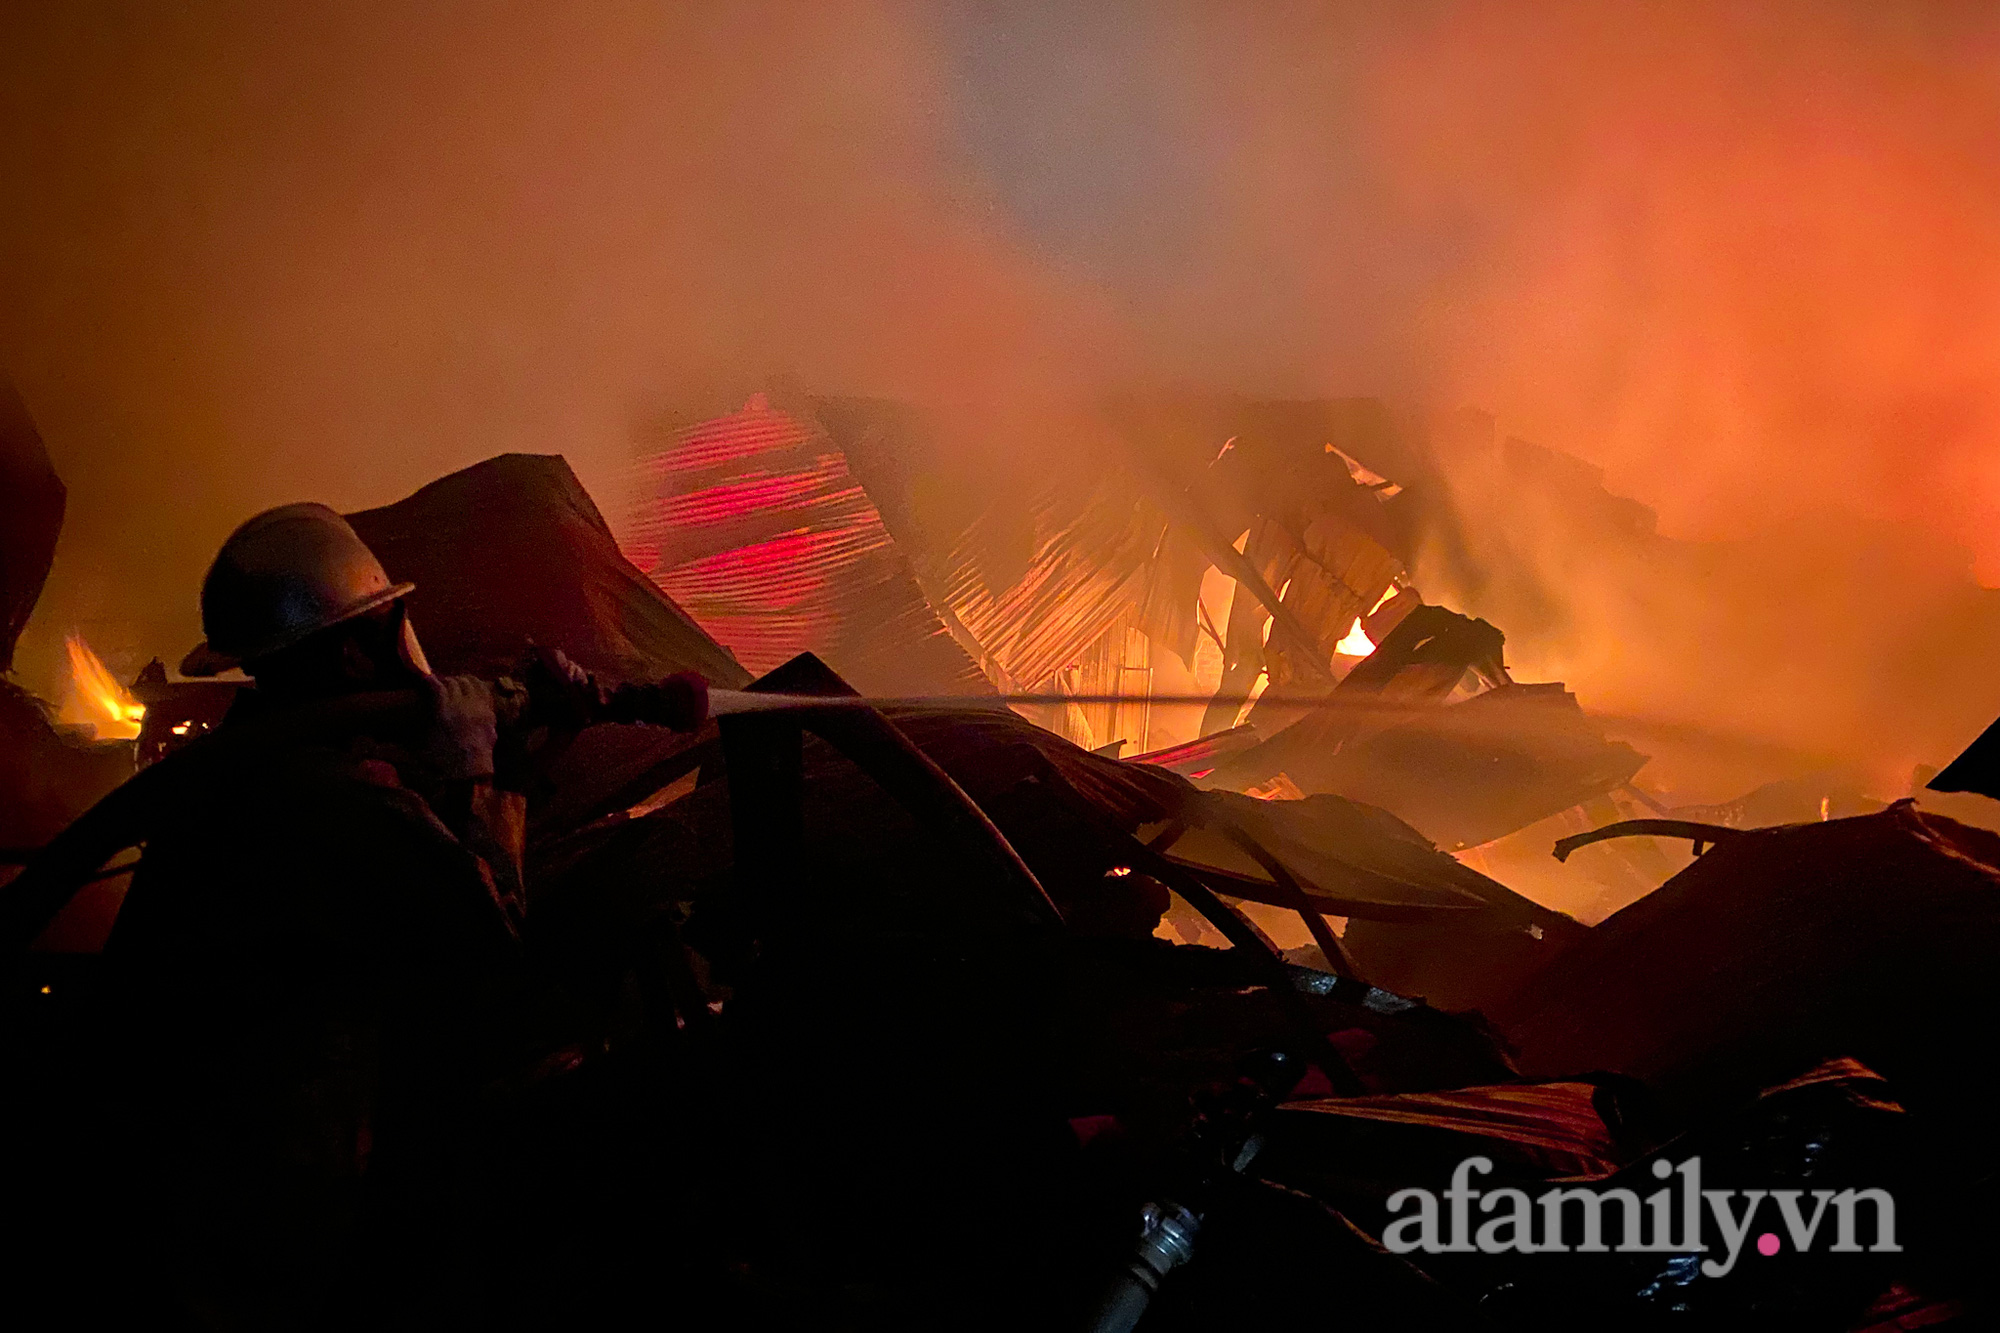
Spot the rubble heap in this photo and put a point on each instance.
(827, 1013)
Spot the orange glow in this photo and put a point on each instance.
(96, 697)
(1356, 644)
(1279, 788)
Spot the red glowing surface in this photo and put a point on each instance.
(757, 529)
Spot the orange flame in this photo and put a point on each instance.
(96, 698)
(1356, 644)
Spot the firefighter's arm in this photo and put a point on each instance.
(461, 742)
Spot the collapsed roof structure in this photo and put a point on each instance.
(934, 959)
(1264, 559)
(1870, 936)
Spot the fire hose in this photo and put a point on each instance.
(1225, 1138)
(128, 816)
(125, 817)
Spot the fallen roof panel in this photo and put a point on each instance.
(512, 552)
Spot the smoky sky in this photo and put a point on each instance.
(1744, 256)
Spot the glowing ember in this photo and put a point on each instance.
(96, 697)
(1356, 644)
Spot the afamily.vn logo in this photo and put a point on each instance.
(1649, 1229)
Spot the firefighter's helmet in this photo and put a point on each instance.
(287, 573)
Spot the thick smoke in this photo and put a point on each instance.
(253, 254)
(1747, 258)
(1744, 257)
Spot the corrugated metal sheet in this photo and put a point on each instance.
(752, 518)
(755, 525)
(1089, 569)
(1556, 1122)
(1090, 558)
(1198, 758)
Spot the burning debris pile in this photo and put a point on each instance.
(760, 921)
(49, 773)
(1278, 562)
(98, 703)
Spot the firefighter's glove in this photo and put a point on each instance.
(461, 730)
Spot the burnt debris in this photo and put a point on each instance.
(559, 981)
